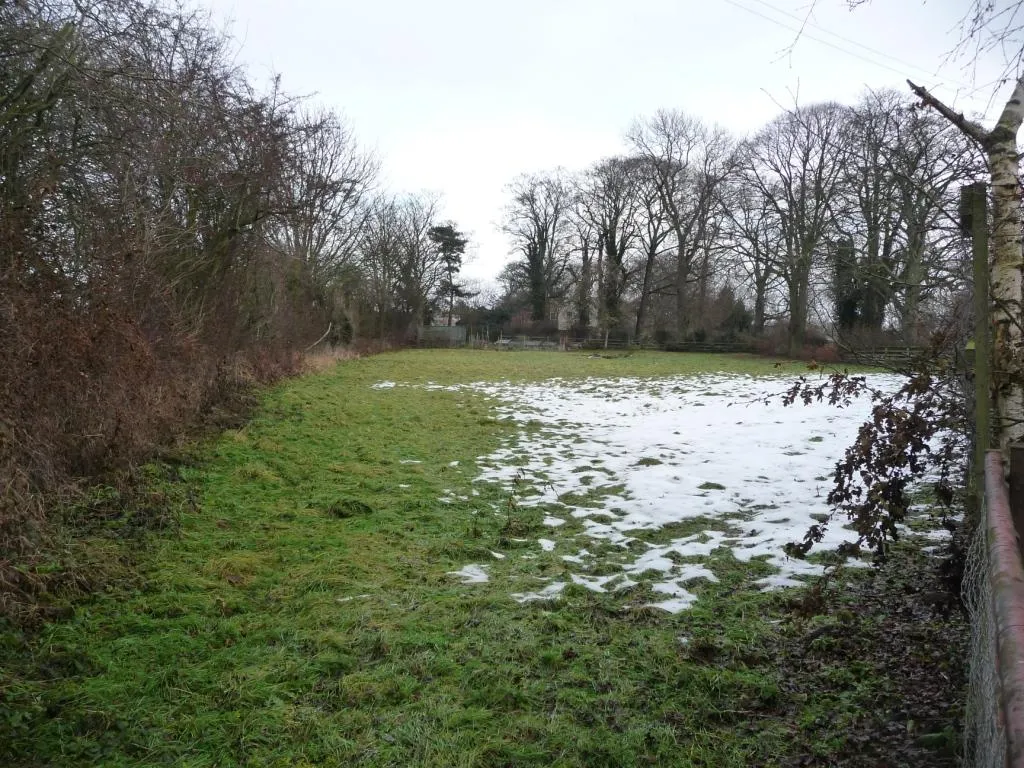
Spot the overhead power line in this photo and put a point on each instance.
(850, 41)
(801, 31)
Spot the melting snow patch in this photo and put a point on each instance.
(549, 592)
(545, 544)
(497, 555)
(471, 574)
(680, 599)
(577, 558)
(690, 572)
(594, 583)
(778, 581)
(383, 385)
(744, 461)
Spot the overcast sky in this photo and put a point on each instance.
(459, 96)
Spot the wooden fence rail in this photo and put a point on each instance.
(1005, 575)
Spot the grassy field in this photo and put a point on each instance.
(301, 611)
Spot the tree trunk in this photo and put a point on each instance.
(910, 320)
(798, 289)
(1005, 278)
(645, 292)
(761, 277)
(797, 318)
(538, 286)
(913, 275)
(759, 302)
(702, 288)
(612, 277)
(681, 275)
(583, 297)
(1000, 146)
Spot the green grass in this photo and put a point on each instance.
(303, 614)
(454, 366)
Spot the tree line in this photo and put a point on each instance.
(838, 218)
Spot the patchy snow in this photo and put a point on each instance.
(450, 496)
(434, 386)
(593, 583)
(717, 454)
(471, 574)
(675, 605)
(658, 452)
(550, 591)
(578, 557)
(496, 555)
(779, 581)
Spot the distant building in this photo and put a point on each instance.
(440, 320)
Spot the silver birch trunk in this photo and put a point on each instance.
(1006, 256)
(1007, 260)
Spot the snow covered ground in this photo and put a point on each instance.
(716, 458)
(629, 455)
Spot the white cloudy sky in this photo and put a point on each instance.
(459, 96)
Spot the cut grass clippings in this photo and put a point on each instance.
(303, 611)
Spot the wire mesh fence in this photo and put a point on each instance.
(984, 731)
(994, 591)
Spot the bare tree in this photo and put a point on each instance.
(586, 245)
(896, 196)
(754, 230)
(380, 263)
(690, 161)
(653, 234)
(608, 200)
(537, 220)
(796, 163)
(422, 264)
(327, 179)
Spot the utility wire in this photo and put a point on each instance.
(850, 41)
(841, 49)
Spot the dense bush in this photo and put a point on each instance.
(145, 193)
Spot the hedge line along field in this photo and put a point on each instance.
(435, 558)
